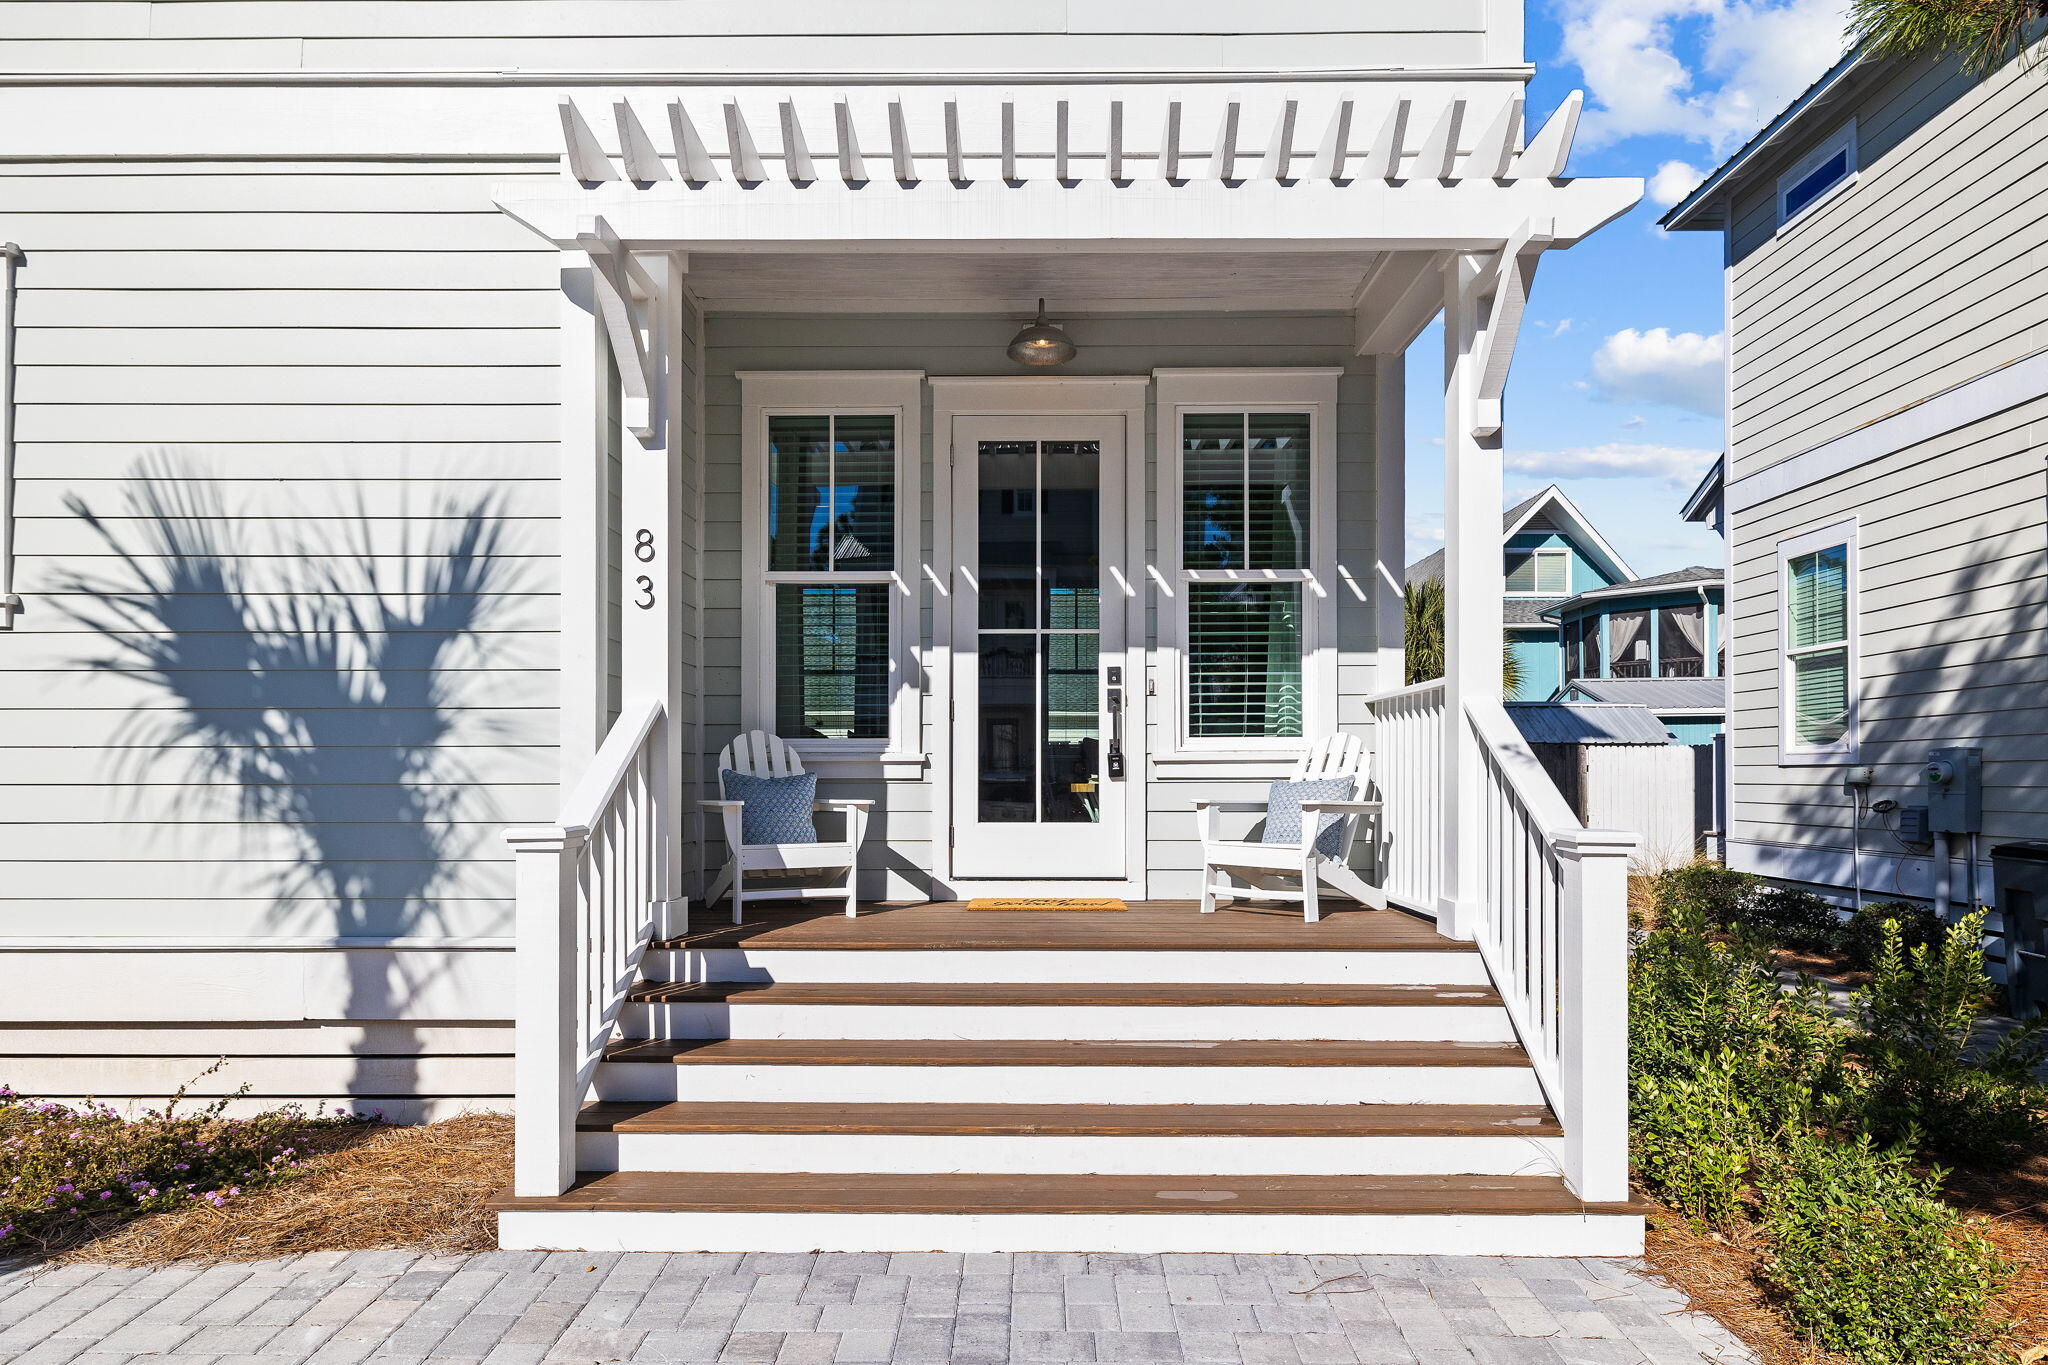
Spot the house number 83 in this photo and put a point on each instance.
(643, 550)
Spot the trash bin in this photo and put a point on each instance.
(2020, 872)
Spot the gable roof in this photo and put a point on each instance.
(1703, 501)
(1548, 510)
(1703, 208)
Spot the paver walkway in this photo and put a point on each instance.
(523, 1308)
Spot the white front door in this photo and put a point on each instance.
(1042, 711)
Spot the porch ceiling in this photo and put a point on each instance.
(1074, 282)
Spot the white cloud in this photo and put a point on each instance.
(1425, 530)
(1673, 181)
(1644, 61)
(1675, 466)
(1564, 325)
(1635, 423)
(1679, 369)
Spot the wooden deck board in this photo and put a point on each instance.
(1146, 926)
(1030, 1052)
(1074, 1120)
(757, 1192)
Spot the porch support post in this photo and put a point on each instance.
(1593, 1010)
(653, 578)
(585, 579)
(1474, 586)
(1390, 518)
(545, 1094)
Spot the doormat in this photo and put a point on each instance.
(1047, 903)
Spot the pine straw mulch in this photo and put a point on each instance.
(1720, 1273)
(419, 1188)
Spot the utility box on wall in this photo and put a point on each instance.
(1955, 791)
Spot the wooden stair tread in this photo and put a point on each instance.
(1074, 1120)
(757, 1192)
(1055, 994)
(1146, 926)
(1012, 1052)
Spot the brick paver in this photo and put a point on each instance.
(836, 1308)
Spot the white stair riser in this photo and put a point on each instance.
(1351, 1023)
(1130, 1233)
(1071, 1084)
(1032, 966)
(985, 1154)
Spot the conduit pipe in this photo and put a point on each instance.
(1941, 875)
(10, 256)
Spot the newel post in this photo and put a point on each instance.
(546, 1050)
(1593, 1005)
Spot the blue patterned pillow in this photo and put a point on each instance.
(1283, 812)
(777, 809)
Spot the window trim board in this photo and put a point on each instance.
(1848, 749)
(1311, 389)
(1842, 140)
(765, 394)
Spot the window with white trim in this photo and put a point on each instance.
(1817, 646)
(831, 495)
(1818, 174)
(1250, 488)
(1539, 573)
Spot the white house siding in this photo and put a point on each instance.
(955, 345)
(742, 36)
(1953, 641)
(327, 365)
(1924, 273)
(262, 256)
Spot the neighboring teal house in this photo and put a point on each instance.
(1553, 554)
(1654, 642)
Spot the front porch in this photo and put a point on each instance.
(1029, 619)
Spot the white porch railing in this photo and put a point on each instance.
(1408, 765)
(1550, 914)
(592, 892)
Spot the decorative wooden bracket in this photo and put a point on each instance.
(1507, 278)
(627, 299)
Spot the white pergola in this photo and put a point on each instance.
(1394, 199)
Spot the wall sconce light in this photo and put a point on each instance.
(1041, 344)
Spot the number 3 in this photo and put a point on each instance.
(646, 592)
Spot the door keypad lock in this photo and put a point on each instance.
(1113, 761)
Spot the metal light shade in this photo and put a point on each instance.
(1041, 344)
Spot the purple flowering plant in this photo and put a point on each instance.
(71, 1171)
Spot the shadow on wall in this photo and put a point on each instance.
(311, 688)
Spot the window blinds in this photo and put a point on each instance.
(1244, 660)
(1817, 635)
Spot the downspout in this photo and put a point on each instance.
(10, 604)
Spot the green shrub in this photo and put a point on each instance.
(1871, 1261)
(1716, 893)
(1864, 937)
(1927, 1079)
(1723, 1059)
(67, 1171)
(1793, 918)
(1695, 1140)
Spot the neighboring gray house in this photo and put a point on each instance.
(1883, 495)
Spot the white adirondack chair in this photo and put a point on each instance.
(760, 754)
(1276, 870)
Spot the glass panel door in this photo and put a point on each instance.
(1032, 732)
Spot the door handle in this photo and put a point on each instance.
(1113, 761)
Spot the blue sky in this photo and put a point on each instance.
(1615, 393)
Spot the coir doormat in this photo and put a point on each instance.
(1047, 903)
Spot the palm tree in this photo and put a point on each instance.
(1984, 33)
(1423, 612)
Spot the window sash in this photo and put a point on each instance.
(1245, 660)
(1816, 674)
(1247, 488)
(831, 491)
(1539, 573)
